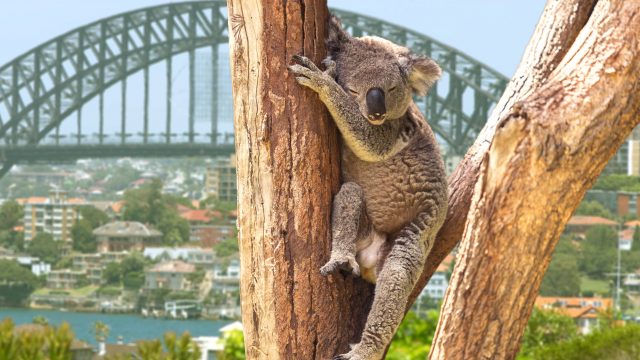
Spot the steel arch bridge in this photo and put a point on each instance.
(42, 90)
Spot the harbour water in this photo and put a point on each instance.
(130, 327)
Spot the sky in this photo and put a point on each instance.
(492, 31)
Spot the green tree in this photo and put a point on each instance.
(94, 216)
(233, 346)
(546, 327)
(101, 331)
(58, 341)
(598, 251)
(12, 239)
(414, 336)
(16, 283)
(175, 229)
(562, 277)
(50, 343)
(82, 235)
(117, 178)
(44, 247)
(11, 214)
(594, 208)
(148, 205)
(177, 348)
(133, 280)
(618, 182)
(618, 343)
(226, 248)
(112, 274)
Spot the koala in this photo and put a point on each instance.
(393, 198)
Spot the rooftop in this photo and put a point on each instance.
(199, 215)
(126, 229)
(580, 220)
(174, 267)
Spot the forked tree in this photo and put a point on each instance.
(573, 100)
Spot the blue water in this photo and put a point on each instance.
(130, 327)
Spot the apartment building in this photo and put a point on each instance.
(220, 180)
(54, 215)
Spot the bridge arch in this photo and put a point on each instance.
(41, 89)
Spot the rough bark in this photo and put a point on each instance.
(546, 150)
(288, 172)
(559, 25)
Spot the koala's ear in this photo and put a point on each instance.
(421, 71)
(337, 36)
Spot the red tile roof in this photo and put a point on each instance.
(174, 267)
(200, 215)
(632, 223)
(117, 206)
(575, 307)
(580, 220)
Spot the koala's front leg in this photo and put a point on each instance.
(396, 280)
(347, 220)
(369, 142)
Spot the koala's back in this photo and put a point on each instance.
(410, 182)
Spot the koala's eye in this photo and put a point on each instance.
(393, 88)
(352, 91)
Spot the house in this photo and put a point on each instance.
(94, 264)
(584, 311)
(579, 224)
(200, 223)
(31, 263)
(195, 255)
(209, 235)
(120, 236)
(65, 279)
(226, 278)
(631, 283)
(169, 275)
(625, 237)
(437, 285)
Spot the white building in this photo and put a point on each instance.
(437, 285)
(196, 256)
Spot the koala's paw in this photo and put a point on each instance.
(358, 353)
(345, 263)
(310, 76)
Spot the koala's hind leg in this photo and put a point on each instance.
(348, 219)
(396, 280)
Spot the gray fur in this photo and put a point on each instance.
(394, 196)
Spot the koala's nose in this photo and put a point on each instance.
(376, 110)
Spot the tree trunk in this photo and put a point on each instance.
(288, 172)
(546, 150)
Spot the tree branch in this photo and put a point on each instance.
(547, 150)
(559, 25)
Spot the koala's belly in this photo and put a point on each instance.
(395, 190)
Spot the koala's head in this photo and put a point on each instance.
(379, 74)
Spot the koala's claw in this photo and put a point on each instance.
(330, 67)
(306, 62)
(348, 264)
(347, 356)
(304, 71)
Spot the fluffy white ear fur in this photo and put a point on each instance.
(421, 71)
